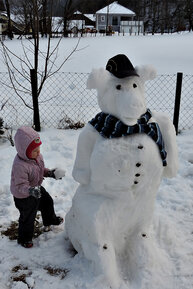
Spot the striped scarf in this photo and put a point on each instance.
(111, 127)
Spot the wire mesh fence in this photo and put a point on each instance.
(65, 96)
(186, 108)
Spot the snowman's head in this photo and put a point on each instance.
(120, 88)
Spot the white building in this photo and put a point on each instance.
(119, 18)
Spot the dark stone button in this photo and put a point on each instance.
(137, 175)
(135, 182)
(140, 147)
(138, 164)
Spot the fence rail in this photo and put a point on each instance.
(65, 96)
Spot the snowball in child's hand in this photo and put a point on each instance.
(59, 173)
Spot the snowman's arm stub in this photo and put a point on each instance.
(86, 141)
(169, 137)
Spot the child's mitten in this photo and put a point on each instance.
(35, 192)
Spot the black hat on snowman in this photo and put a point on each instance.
(120, 66)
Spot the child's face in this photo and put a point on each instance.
(35, 153)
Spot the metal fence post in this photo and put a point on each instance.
(177, 100)
(36, 116)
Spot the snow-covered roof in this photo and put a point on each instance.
(91, 16)
(77, 12)
(115, 8)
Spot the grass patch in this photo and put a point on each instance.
(12, 231)
(20, 273)
(18, 268)
(62, 273)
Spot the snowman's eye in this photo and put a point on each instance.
(118, 87)
(134, 85)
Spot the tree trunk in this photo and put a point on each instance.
(65, 32)
(44, 19)
(10, 33)
(34, 86)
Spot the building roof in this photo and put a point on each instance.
(77, 12)
(84, 17)
(115, 8)
(91, 17)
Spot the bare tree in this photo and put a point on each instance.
(9, 29)
(166, 19)
(67, 13)
(163, 16)
(29, 78)
(179, 15)
(45, 19)
(189, 13)
(107, 19)
(22, 10)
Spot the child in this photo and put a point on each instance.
(27, 175)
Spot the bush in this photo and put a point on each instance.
(5, 132)
(68, 123)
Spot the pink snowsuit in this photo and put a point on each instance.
(26, 172)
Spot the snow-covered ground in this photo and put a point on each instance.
(168, 53)
(171, 235)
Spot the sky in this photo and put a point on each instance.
(169, 265)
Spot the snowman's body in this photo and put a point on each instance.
(113, 206)
(124, 165)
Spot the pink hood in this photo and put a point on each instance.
(23, 137)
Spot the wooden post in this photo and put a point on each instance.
(34, 85)
(177, 100)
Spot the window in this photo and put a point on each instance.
(102, 18)
(115, 20)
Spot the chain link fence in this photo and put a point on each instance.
(64, 97)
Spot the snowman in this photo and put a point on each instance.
(122, 155)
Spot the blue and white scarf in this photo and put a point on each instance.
(111, 127)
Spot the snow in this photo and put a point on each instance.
(169, 54)
(170, 241)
